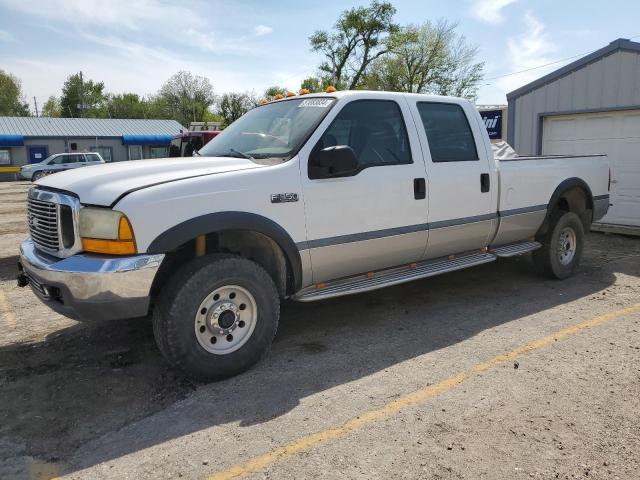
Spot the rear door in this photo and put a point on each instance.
(462, 182)
(372, 219)
(73, 161)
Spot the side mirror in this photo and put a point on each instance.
(330, 162)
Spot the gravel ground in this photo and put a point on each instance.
(97, 401)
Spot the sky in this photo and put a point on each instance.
(136, 45)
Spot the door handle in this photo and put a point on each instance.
(419, 189)
(485, 182)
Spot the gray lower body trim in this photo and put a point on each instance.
(518, 211)
(600, 206)
(390, 232)
(360, 237)
(519, 224)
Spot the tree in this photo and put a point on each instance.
(126, 105)
(157, 107)
(83, 98)
(187, 97)
(233, 105)
(429, 58)
(360, 36)
(12, 103)
(271, 92)
(52, 108)
(314, 84)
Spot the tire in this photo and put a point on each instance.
(562, 246)
(37, 176)
(231, 289)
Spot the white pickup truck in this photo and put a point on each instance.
(308, 198)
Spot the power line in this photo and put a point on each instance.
(548, 64)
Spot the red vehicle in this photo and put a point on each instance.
(184, 144)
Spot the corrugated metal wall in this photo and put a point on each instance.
(611, 82)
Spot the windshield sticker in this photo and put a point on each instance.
(316, 102)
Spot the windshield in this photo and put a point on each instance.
(274, 131)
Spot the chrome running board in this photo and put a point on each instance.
(393, 276)
(515, 249)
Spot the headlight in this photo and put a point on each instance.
(103, 230)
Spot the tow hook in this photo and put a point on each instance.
(23, 281)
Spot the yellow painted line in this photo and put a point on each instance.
(419, 396)
(9, 169)
(7, 310)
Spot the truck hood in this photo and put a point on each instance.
(104, 184)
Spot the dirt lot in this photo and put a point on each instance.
(491, 372)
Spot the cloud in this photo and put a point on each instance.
(528, 50)
(120, 13)
(489, 11)
(260, 30)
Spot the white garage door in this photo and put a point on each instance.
(615, 133)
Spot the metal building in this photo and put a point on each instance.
(32, 139)
(589, 106)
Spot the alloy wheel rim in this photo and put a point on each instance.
(225, 319)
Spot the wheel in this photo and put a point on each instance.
(37, 176)
(562, 246)
(216, 316)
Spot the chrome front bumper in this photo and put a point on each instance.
(90, 287)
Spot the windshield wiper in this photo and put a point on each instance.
(242, 154)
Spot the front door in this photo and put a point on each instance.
(462, 181)
(37, 154)
(375, 218)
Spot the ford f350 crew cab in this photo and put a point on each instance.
(308, 198)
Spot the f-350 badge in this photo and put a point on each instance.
(284, 197)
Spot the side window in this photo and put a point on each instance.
(375, 130)
(105, 152)
(59, 160)
(448, 132)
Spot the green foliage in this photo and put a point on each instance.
(427, 58)
(12, 103)
(233, 105)
(126, 105)
(187, 97)
(360, 36)
(212, 117)
(52, 108)
(271, 92)
(83, 98)
(314, 84)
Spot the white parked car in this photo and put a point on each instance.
(58, 163)
(306, 198)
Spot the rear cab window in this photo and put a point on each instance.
(448, 132)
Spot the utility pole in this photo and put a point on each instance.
(35, 102)
(81, 95)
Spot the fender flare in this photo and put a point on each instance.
(217, 222)
(565, 186)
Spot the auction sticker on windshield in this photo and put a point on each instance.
(316, 102)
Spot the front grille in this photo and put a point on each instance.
(42, 218)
